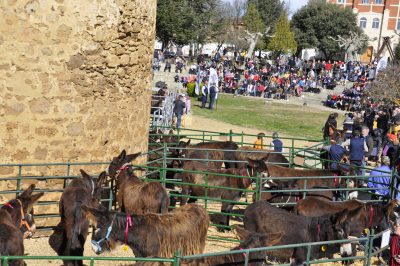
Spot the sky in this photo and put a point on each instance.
(295, 4)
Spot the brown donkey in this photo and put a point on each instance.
(249, 240)
(184, 229)
(70, 239)
(133, 195)
(17, 223)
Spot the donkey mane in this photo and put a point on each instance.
(183, 229)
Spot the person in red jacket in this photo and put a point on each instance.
(395, 246)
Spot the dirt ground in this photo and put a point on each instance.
(39, 246)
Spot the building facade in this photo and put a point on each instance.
(377, 18)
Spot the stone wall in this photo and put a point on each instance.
(74, 78)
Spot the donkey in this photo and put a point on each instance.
(160, 235)
(74, 225)
(249, 240)
(262, 217)
(221, 151)
(214, 179)
(375, 216)
(255, 154)
(134, 195)
(17, 223)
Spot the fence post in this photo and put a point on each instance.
(370, 247)
(258, 186)
(163, 172)
(206, 193)
(393, 183)
(177, 259)
(308, 254)
(230, 135)
(19, 179)
(242, 139)
(68, 173)
(5, 261)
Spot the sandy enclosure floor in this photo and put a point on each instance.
(39, 246)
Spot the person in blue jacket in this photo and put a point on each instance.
(276, 144)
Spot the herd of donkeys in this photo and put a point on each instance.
(146, 224)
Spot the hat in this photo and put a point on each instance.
(385, 160)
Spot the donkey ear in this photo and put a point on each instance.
(85, 175)
(35, 197)
(274, 238)
(92, 214)
(131, 157)
(242, 233)
(341, 217)
(253, 163)
(26, 193)
(122, 154)
(188, 142)
(102, 177)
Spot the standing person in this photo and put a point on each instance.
(213, 85)
(179, 106)
(330, 125)
(276, 144)
(204, 95)
(395, 245)
(358, 148)
(380, 178)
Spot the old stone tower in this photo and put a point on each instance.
(75, 78)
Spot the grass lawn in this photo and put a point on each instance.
(289, 119)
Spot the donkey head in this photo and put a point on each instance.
(103, 221)
(118, 162)
(256, 240)
(22, 207)
(94, 186)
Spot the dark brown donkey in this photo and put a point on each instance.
(134, 195)
(220, 151)
(275, 179)
(262, 217)
(184, 229)
(375, 216)
(270, 156)
(249, 240)
(17, 223)
(70, 239)
(199, 188)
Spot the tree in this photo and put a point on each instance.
(255, 28)
(316, 23)
(270, 11)
(283, 41)
(252, 20)
(386, 86)
(185, 21)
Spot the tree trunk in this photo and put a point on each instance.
(252, 46)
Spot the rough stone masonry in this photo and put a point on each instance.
(75, 79)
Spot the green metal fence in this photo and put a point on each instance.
(54, 178)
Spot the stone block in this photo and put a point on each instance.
(40, 105)
(76, 129)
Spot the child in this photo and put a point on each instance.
(259, 143)
(276, 144)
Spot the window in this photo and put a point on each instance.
(364, 1)
(375, 23)
(340, 1)
(378, 2)
(398, 24)
(363, 23)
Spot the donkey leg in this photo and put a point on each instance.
(185, 192)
